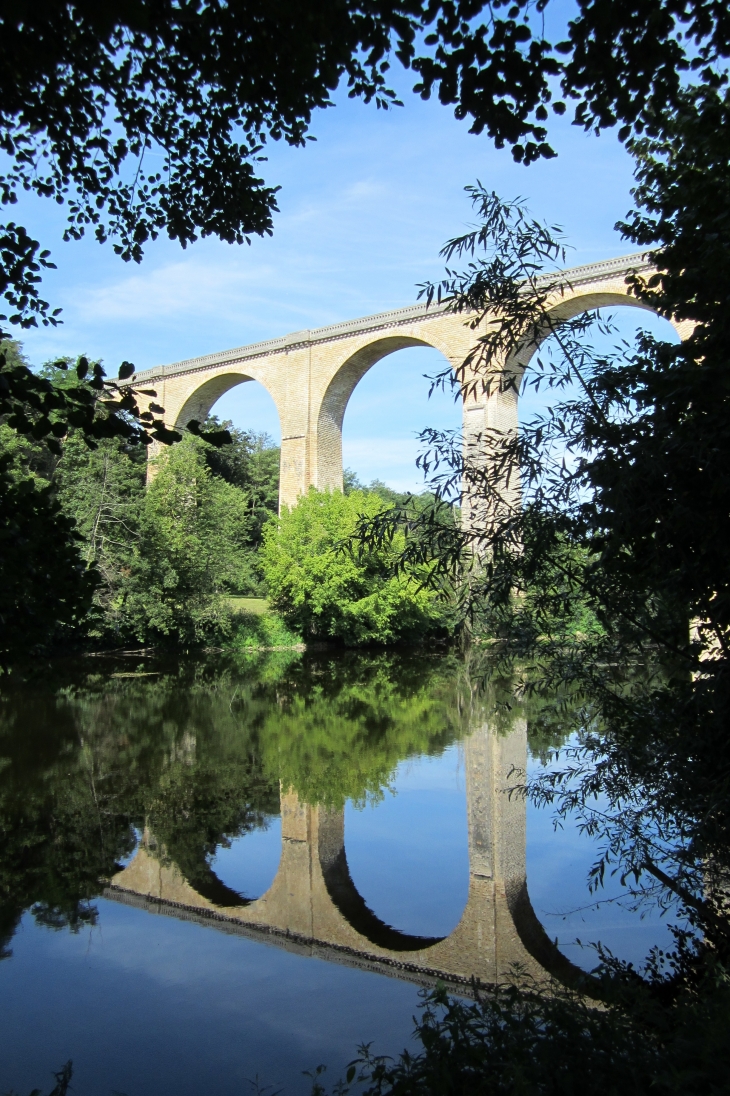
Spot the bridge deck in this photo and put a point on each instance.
(576, 276)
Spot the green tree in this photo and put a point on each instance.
(45, 587)
(249, 461)
(108, 522)
(44, 594)
(324, 591)
(103, 489)
(84, 497)
(191, 552)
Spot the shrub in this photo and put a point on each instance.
(326, 587)
(261, 631)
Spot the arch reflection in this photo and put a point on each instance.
(314, 905)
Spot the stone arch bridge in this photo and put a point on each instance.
(311, 375)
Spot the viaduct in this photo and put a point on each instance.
(311, 374)
(314, 907)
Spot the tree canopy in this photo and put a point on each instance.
(91, 96)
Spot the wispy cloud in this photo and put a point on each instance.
(177, 288)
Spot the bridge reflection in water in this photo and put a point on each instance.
(313, 906)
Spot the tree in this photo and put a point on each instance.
(190, 553)
(87, 94)
(325, 592)
(45, 588)
(90, 488)
(102, 489)
(251, 462)
(104, 516)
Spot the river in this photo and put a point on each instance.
(218, 873)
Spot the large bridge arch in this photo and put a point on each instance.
(572, 304)
(204, 395)
(339, 391)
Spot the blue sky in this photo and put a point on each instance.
(364, 212)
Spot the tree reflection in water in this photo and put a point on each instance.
(193, 755)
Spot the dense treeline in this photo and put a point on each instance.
(145, 565)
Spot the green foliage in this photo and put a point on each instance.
(250, 462)
(255, 631)
(45, 589)
(520, 1039)
(160, 562)
(352, 482)
(45, 405)
(103, 490)
(327, 592)
(191, 552)
(86, 498)
(30, 454)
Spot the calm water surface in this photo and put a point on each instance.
(215, 872)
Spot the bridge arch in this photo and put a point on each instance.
(567, 309)
(201, 399)
(334, 403)
(311, 375)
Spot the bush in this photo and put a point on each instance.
(523, 1039)
(327, 588)
(261, 631)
